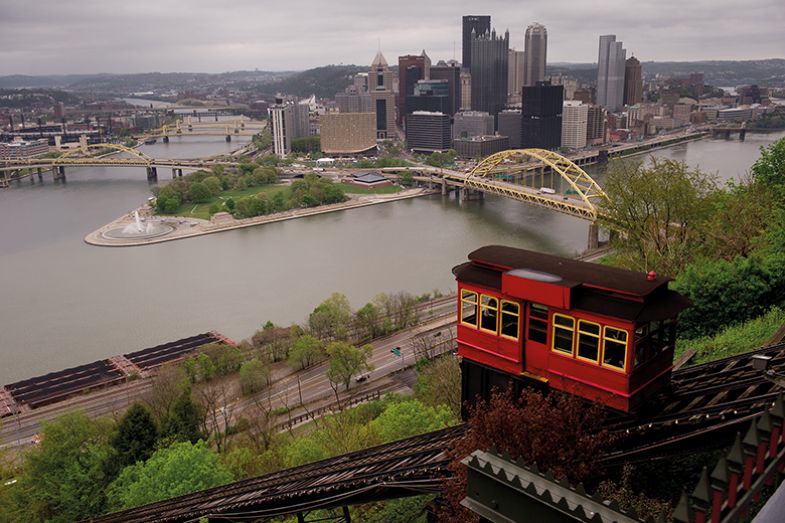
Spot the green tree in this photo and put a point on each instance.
(306, 351)
(64, 478)
(409, 418)
(346, 361)
(728, 292)
(769, 168)
(180, 469)
(230, 204)
(330, 318)
(213, 184)
(406, 179)
(657, 211)
(135, 437)
(439, 383)
(254, 376)
(218, 170)
(184, 421)
(168, 200)
(368, 322)
(198, 192)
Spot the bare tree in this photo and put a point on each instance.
(215, 398)
(166, 386)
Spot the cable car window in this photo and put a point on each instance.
(538, 323)
(615, 348)
(489, 313)
(589, 340)
(643, 348)
(469, 308)
(510, 319)
(563, 333)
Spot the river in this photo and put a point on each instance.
(65, 303)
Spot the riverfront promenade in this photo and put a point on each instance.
(184, 227)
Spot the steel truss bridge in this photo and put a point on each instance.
(537, 176)
(138, 159)
(225, 128)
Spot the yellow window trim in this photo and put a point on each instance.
(553, 333)
(517, 315)
(605, 338)
(479, 314)
(598, 337)
(475, 303)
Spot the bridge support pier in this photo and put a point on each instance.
(166, 139)
(228, 137)
(152, 173)
(742, 135)
(594, 236)
(466, 194)
(444, 188)
(40, 174)
(60, 172)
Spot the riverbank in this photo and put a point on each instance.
(182, 228)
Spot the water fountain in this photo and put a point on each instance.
(138, 230)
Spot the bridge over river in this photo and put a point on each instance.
(70, 159)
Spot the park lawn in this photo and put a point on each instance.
(353, 189)
(202, 210)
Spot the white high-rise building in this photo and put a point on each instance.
(574, 119)
(282, 126)
(610, 73)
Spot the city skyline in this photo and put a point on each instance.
(56, 38)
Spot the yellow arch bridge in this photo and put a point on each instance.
(78, 158)
(537, 176)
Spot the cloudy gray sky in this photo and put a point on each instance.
(120, 36)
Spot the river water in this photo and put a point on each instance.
(65, 303)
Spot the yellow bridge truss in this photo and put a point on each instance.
(588, 194)
(117, 147)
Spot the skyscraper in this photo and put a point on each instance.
(452, 74)
(382, 96)
(610, 73)
(633, 82)
(489, 71)
(411, 69)
(515, 65)
(575, 117)
(542, 115)
(478, 24)
(536, 47)
(282, 124)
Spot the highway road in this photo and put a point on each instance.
(437, 316)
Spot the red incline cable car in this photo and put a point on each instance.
(602, 333)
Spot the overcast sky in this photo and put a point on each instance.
(120, 36)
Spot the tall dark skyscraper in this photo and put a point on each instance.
(452, 74)
(489, 71)
(633, 81)
(411, 69)
(478, 24)
(542, 115)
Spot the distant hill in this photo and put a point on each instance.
(720, 73)
(324, 82)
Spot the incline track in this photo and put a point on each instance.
(704, 402)
(411, 466)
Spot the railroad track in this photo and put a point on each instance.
(415, 464)
(703, 403)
